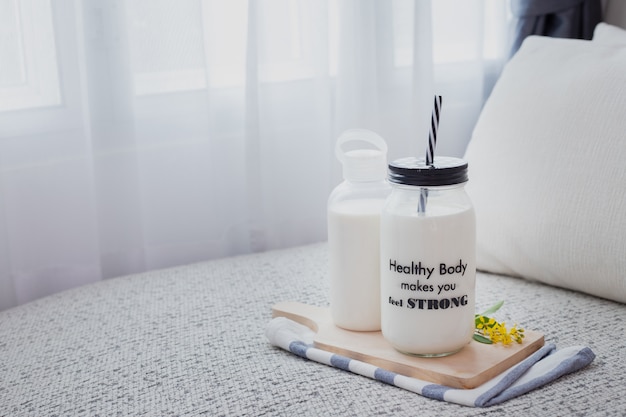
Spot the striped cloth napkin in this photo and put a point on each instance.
(541, 368)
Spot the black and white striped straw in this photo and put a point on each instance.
(434, 127)
(430, 149)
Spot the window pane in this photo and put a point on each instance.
(29, 76)
(12, 68)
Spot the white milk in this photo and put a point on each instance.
(428, 275)
(354, 242)
(354, 208)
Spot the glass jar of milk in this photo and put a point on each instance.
(428, 251)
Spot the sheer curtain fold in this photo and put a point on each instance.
(422, 76)
(358, 72)
(156, 133)
(108, 129)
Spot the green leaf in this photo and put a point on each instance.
(482, 339)
(493, 308)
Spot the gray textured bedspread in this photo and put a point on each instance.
(189, 341)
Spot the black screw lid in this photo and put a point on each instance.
(445, 170)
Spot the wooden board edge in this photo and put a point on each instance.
(288, 310)
(508, 363)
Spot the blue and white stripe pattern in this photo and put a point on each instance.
(541, 368)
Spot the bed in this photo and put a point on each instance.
(546, 177)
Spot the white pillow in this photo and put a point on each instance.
(607, 34)
(547, 166)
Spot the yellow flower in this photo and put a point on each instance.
(517, 334)
(491, 331)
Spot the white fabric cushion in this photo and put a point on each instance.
(608, 34)
(547, 164)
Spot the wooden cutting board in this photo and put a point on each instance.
(470, 367)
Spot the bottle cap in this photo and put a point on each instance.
(445, 170)
(362, 164)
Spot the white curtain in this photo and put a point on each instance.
(143, 134)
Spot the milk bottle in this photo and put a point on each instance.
(428, 248)
(354, 209)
